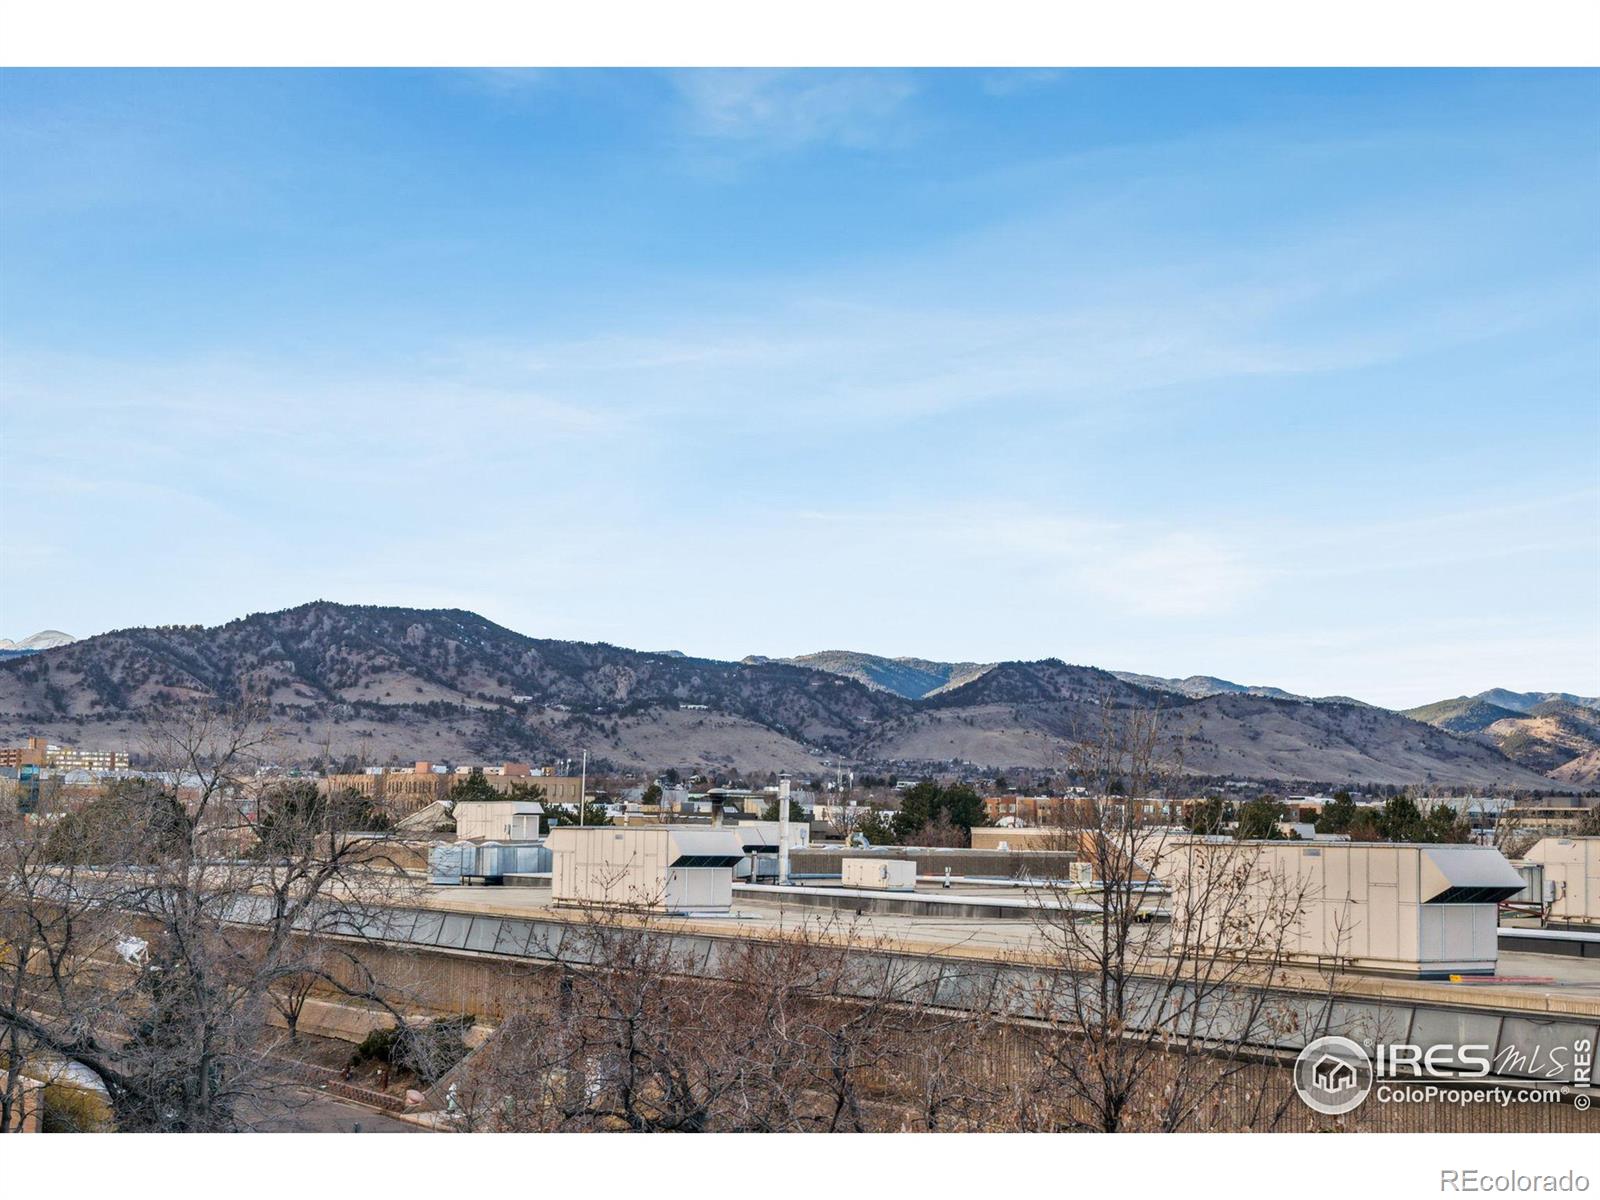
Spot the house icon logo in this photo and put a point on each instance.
(1333, 1075)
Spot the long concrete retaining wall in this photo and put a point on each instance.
(1533, 1035)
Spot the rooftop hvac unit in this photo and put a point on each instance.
(492, 861)
(880, 874)
(1537, 891)
(499, 820)
(757, 867)
(661, 867)
(528, 858)
(1425, 910)
(1572, 864)
(444, 864)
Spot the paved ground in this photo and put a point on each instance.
(307, 1110)
(1569, 972)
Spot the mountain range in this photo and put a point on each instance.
(385, 684)
(918, 678)
(1555, 733)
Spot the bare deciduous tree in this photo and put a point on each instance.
(772, 1035)
(149, 936)
(1151, 1019)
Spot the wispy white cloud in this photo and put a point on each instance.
(1032, 310)
(829, 357)
(1156, 569)
(506, 82)
(1017, 80)
(180, 402)
(1178, 405)
(777, 110)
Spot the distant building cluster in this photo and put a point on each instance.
(1021, 816)
(405, 790)
(676, 801)
(41, 777)
(38, 752)
(1029, 810)
(1551, 814)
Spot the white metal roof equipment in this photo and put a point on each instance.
(1572, 864)
(662, 868)
(1417, 909)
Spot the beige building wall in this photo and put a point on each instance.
(1573, 865)
(369, 787)
(399, 792)
(1547, 817)
(558, 789)
(989, 837)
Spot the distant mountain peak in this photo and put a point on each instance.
(1528, 701)
(1555, 733)
(909, 678)
(45, 639)
(1199, 687)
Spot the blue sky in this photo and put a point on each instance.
(1290, 377)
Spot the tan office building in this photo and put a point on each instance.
(397, 792)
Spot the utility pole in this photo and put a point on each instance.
(583, 786)
(783, 830)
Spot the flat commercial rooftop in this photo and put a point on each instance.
(1553, 984)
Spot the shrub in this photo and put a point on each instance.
(426, 1050)
(377, 1046)
(70, 1109)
